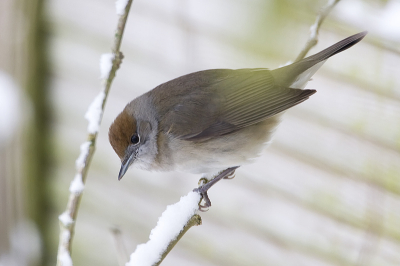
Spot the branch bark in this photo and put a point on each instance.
(68, 218)
(314, 29)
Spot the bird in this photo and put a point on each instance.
(211, 122)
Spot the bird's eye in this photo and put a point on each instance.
(135, 139)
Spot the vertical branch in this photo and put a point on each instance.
(122, 254)
(94, 115)
(314, 29)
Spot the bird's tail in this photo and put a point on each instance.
(300, 72)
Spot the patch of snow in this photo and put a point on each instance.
(94, 113)
(106, 62)
(66, 219)
(120, 6)
(77, 185)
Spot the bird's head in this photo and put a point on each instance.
(133, 139)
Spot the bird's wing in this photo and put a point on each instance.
(212, 103)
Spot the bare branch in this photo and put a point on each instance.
(68, 218)
(314, 29)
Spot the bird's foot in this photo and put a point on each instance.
(204, 195)
(207, 184)
(207, 202)
(231, 176)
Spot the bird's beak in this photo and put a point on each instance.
(125, 165)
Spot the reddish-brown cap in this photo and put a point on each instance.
(121, 131)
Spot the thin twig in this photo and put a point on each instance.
(122, 254)
(68, 218)
(194, 220)
(314, 29)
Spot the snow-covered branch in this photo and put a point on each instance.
(109, 64)
(314, 29)
(171, 226)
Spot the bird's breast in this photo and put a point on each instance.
(219, 153)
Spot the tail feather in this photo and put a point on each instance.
(288, 75)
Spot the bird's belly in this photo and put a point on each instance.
(222, 152)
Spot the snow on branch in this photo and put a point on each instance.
(120, 6)
(109, 65)
(106, 62)
(314, 29)
(173, 223)
(95, 113)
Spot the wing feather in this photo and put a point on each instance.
(209, 105)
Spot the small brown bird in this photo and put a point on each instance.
(212, 120)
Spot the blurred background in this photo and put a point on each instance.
(326, 192)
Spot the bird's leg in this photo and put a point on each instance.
(227, 173)
(207, 202)
(204, 195)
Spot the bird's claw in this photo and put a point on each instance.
(207, 202)
(202, 181)
(231, 176)
(206, 184)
